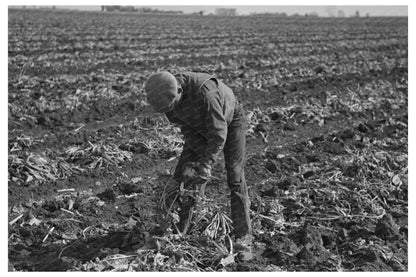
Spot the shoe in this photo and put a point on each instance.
(243, 248)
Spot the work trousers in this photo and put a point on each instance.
(234, 156)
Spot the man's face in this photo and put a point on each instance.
(166, 101)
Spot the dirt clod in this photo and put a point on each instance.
(387, 228)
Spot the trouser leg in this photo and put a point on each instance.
(234, 154)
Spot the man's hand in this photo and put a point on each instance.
(197, 170)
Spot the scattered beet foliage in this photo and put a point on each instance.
(327, 103)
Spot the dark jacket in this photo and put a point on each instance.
(205, 109)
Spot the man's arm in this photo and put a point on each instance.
(216, 125)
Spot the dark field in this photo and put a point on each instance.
(327, 165)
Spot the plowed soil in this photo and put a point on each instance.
(327, 101)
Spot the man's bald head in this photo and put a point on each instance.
(162, 91)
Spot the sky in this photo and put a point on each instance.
(247, 7)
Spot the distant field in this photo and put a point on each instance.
(327, 101)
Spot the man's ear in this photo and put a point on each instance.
(180, 90)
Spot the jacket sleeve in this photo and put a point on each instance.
(216, 125)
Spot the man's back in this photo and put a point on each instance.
(202, 96)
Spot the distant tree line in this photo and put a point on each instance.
(117, 8)
(277, 14)
(225, 12)
(312, 14)
(331, 11)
